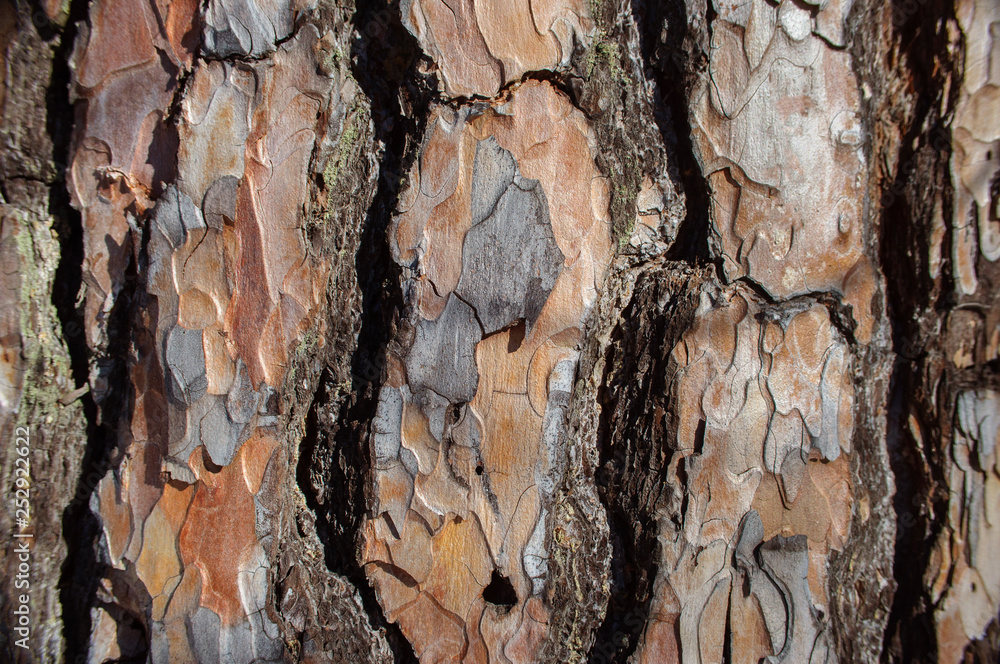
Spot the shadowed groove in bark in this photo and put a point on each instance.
(68, 222)
(921, 500)
(637, 439)
(674, 57)
(631, 438)
(384, 57)
(81, 528)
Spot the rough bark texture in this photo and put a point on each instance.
(500, 331)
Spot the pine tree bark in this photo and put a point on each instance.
(500, 331)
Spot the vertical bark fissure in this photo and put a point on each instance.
(382, 46)
(634, 442)
(920, 181)
(638, 442)
(672, 52)
(81, 528)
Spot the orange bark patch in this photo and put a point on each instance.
(219, 529)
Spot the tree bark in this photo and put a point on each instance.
(500, 331)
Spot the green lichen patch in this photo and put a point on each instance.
(47, 377)
(614, 99)
(346, 147)
(606, 54)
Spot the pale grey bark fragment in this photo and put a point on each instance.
(492, 172)
(219, 422)
(185, 358)
(246, 27)
(442, 358)
(510, 260)
(219, 205)
(786, 562)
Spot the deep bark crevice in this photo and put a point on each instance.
(637, 437)
(673, 54)
(81, 528)
(566, 81)
(919, 466)
(334, 452)
(632, 439)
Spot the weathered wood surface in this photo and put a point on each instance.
(494, 331)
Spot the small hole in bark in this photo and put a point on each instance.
(500, 592)
(269, 404)
(479, 470)
(455, 412)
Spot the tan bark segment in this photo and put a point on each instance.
(481, 45)
(123, 150)
(504, 239)
(777, 128)
(975, 160)
(963, 577)
(764, 401)
(969, 601)
(764, 393)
